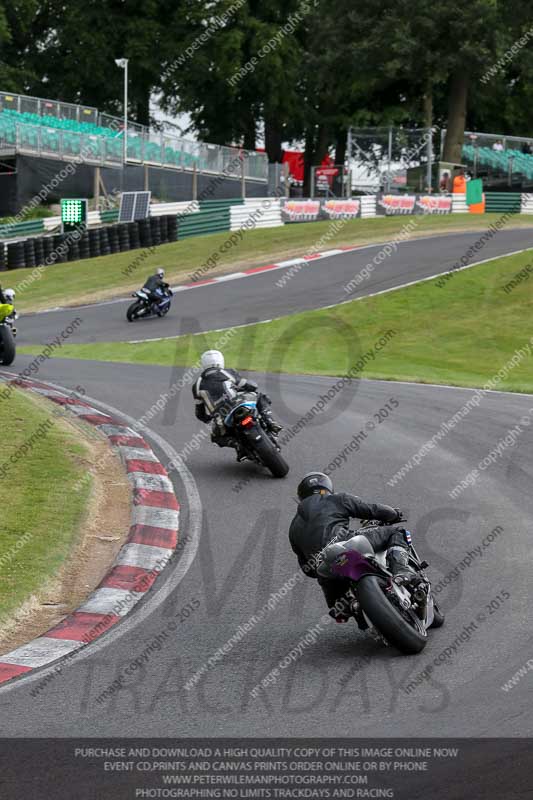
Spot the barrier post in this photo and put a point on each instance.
(194, 181)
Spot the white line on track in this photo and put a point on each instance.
(188, 553)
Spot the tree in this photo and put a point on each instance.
(18, 23)
(75, 55)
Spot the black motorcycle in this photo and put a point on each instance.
(144, 306)
(243, 421)
(8, 332)
(399, 612)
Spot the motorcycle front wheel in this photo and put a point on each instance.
(7, 346)
(386, 618)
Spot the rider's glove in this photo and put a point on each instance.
(400, 516)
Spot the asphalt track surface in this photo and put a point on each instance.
(344, 683)
(258, 297)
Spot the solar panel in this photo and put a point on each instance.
(134, 206)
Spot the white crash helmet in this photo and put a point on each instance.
(160, 272)
(9, 294)
(212, 358)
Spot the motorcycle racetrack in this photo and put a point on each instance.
(274, 293)
(230, 612)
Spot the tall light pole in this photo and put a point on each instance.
(123, 63)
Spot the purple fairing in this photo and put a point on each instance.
(352, 564)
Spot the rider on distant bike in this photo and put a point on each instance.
(211, 387)
(155, 286)
(7, 303)
(323, 517)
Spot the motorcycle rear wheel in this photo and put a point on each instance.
(270, 457)
(132, 312)
(438, 617)
(387, 619)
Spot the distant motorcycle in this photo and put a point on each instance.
(144, 306)
(243, 421)
(8, 333)
(399, 613)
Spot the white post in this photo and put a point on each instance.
(123, 64)
(125, 143)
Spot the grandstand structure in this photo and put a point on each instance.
(502, 161)
(36, 133)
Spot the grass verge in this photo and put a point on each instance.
(460, 334)
(41, 464)
(111, 276)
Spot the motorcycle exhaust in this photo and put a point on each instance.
(420, 597)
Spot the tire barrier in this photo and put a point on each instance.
(61, 250)
(39, 251)
(163, 228)
(123, 237)
(105, 250)
(48, 247)
(135, 241)
(73, 253)
(15, 255)
(145, 233)
(61, 247)
(94, 242)
(172, 228)
(85, 246)
(155, 228)
(29, 253)
(112, 234)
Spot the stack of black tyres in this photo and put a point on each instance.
(155, 228)
(163, 227)
(123, 236)
(172, 226)
(39, 251)
(105, 250)
(135, 235)
(60, 248)
(48, 249)
(29, 253)
(94, 242)
(15, 255)
(73, 248)
(145, 233)
(112, 233)
(84, 245)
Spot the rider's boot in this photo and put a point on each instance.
(398, 564)
(241, 454)
(273, 426)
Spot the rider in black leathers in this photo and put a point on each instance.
(323, 517)
(155, 282)
(209, 389)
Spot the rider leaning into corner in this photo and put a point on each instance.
(212, 387)
(7, 300)
(155, 282)
(323, 517)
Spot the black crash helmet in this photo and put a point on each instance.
(313, 483)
